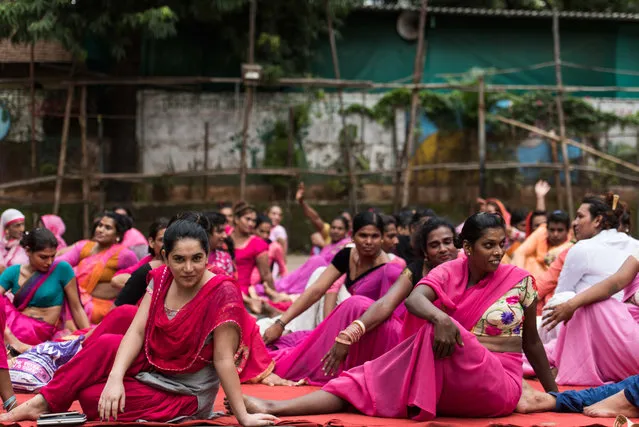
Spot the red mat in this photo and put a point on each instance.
(549, 419)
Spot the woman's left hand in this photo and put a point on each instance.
(559, 313)
(334, 358)
(255, 420)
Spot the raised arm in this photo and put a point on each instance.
(599, 292)
(541, 189)
(113, 399)
(310, 296)
(309, 212)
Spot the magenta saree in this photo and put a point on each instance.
(295, 282)
(27, 329)
(408, 382)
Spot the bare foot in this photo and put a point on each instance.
(255, 306)
(276, 380)
(612, 406)
(532, 400)
(253, 405)
(29, 410)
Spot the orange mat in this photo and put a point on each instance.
(355, 420)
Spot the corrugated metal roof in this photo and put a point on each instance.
(507, 13)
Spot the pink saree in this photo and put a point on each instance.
(408, 382)
(56, 225)
(296, 281)
(600, 344)
(298, 354)
(27, 329)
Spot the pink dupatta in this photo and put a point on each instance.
(466, 305)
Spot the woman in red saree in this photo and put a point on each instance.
(96, 261)
(42, 292)
(465, 360)
(187, 338)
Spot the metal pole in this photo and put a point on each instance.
(560, 112)
(481, 137)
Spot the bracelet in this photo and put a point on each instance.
(9, 403)
(342, 341)
(361, 325)
(282, 324)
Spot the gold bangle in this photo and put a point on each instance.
(342, 341)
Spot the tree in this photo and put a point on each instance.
(71, 22)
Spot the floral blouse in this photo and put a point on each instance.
(506, 316)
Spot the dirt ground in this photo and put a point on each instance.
(293, 261)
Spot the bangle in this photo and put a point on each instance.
(9, 403)
(342, 341)
(361, 325)
(282, 324)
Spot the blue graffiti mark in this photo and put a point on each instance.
(5, 121)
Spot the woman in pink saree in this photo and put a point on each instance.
(11, 230)
(295, 282)
(320, 356)
(368, 270)
(464, 361)
(276, 254)
(40, 294)
(56, 225)
(96, 261)
(600, 344)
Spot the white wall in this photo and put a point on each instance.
(170, 129)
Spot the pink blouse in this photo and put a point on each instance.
(245, 260)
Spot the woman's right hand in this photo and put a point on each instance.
(272, 333)
(112, 400)
(299, 195)
(447, 336)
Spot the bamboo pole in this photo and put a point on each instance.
(560, 113)
(412, 123)
(62, 159)
(350, 167)
(481, 116)
(584, 147)
(205, 180)
(34, 146)
(289, 155)
(86, 178)
(248, 100)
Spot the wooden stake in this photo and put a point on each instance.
(34, 146)
(86, 179)
(560, 112)
(248, 101)
(205, 179)
(417, 78)
(290, 154)
(62, 159)
(350, 167)
(481, 137)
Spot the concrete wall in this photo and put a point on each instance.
(171, 129)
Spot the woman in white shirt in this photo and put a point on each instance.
(601, 342)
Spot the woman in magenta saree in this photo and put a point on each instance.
(464, 361)
(367, 267)
(186, 340)
(42, 294)
(296, 281)
(318, 357)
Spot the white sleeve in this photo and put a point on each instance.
(575, 267)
